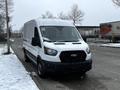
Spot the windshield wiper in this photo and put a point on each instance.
(47, 40)
(67, 41)
(60, 40)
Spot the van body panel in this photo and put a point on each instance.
(64, 68)
(71, 49)
(65, 47)
(54, 22)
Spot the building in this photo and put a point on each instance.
(110, 30)
(89, 31)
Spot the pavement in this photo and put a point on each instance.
(13, 75)
(112, 45)
(105, 74)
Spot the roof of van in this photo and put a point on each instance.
(54, 22)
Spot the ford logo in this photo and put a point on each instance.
(73, 55)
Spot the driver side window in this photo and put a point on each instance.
(36, 34)
(36, 38)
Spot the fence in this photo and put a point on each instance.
(3, 36)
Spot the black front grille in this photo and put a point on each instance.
(72, 56)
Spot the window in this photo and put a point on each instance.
(36, 34)
(60, 33)
(37, 37)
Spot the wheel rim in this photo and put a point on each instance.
(39, 69)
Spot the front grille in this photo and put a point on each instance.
(72, 56)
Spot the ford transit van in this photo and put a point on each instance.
(55, 45)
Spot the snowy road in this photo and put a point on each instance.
(105, 74)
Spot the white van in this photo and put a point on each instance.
(55, 45)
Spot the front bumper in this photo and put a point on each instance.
(59, 67)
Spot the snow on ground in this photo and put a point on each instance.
(116, 45)
(13, 75)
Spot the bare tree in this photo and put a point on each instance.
(117, 2)
(48, 15)
(2, 23)
(76, 14)
(3, 11)
(61, 15)
(2, 6)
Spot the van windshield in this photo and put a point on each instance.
(60, 34)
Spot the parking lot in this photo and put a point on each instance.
(105, 74)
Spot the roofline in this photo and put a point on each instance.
(88, 26)
(110, 22)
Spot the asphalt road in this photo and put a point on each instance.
(105, 74)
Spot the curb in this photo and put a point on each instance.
(109, 46)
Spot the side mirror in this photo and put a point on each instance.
(84, 38)
(35, 41)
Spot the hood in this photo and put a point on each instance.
(65, 46)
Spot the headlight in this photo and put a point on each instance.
(88, 50)
(49, 51)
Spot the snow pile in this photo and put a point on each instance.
(13, 75)
(116, 45)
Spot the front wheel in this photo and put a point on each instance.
(40, 70)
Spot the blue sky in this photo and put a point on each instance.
(96, 11)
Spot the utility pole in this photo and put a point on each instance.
(7, 26)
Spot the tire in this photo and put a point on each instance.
(41, 70)
(26, 58)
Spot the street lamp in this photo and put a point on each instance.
(7, 26)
